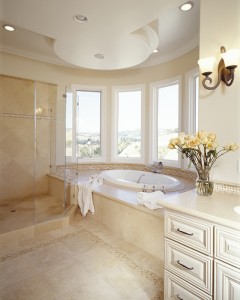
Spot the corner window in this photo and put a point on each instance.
(128, 124)
(87, 121)
(88, 139)
(192, 79)
(165, 112)
(192, 95)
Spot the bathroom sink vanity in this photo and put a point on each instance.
(202, 246)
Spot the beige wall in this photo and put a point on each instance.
(26, 68)
(219, 110)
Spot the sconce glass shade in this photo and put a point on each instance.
(231, 57)
(206, 65)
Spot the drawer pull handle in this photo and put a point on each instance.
(184, 232)
(184, 266)
(179, 297)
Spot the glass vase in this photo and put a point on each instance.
(204, 187)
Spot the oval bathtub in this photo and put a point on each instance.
(141, 180)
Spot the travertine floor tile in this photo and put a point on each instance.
(16, 270)
(47, 257)
(36, 288)
(83, 261)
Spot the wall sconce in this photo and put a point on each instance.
(226, 68)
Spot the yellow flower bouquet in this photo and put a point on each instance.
(202, 151)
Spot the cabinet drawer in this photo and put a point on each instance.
(194, 267)
(176, 288)
(227, 282)
(189, 231)
(227, 245)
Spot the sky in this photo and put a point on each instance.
(129, 109)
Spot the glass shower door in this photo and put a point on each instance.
(51, 182)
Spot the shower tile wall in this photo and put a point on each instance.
(17, 132)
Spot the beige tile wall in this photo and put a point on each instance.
(18, 170)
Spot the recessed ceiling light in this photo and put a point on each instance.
(99, 56)
(155, 51)
(186, 6)
(8, 27)
(80, 18)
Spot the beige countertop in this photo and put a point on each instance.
(218, 208)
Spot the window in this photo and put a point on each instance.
(128, 124)
(87, 123)
(70, 128)
(165, 112)
(88, 139)
(193, 89)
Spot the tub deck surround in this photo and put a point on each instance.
(124, 195)
(128, 197)
(218, 208)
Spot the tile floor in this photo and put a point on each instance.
(83, 261)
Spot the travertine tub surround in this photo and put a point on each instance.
(117, 208)
(141, 227)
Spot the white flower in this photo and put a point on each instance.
(201, 149)
(231, 147)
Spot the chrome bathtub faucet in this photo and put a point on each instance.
(156, 167)
(155, 189)
(144, 188)
(140, 177)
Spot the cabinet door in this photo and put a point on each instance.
(227, 245)
(227, 282)
(176, 288)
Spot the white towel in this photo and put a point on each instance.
(149, 199)
(85, 189)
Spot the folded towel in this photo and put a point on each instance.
(149, 199)
(85, 189)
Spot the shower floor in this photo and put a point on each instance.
(20, 213)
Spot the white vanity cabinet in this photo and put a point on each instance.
(188, 257)
(227, 264)
(202, 259)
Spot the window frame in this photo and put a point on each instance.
(191, 95)
(191, 98)
(102, 90)
(153, 128)
(114, 133)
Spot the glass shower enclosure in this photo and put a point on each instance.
(32, 115)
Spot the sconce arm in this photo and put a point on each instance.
(207, 78)
(224, 74)
(228, 76)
